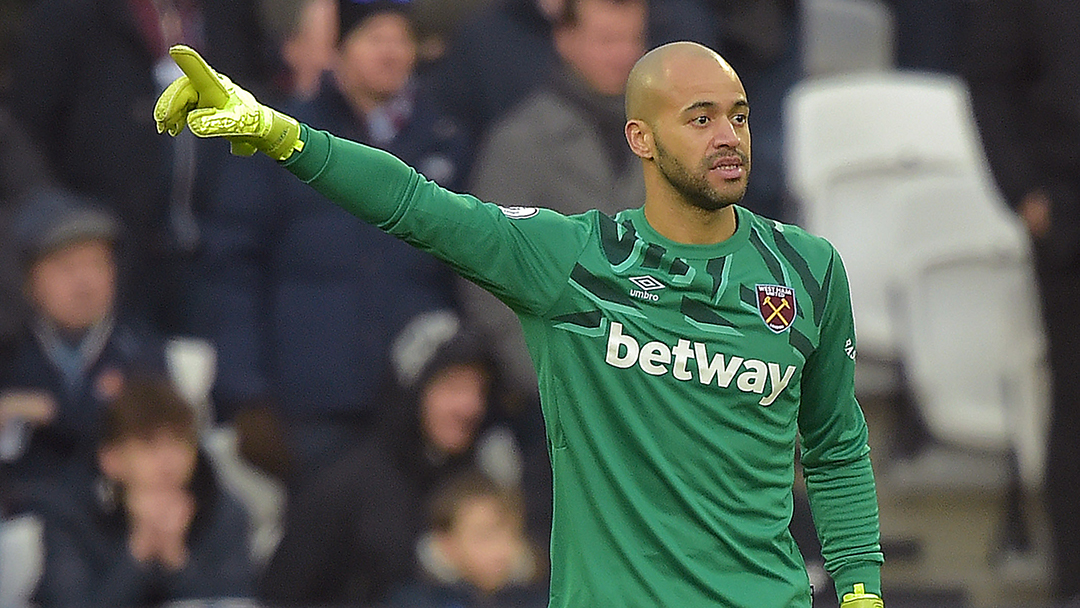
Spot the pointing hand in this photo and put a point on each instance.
(211, 105)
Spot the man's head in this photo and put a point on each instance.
(377, 49)
(687, 119)
(479, 527)
(65, 243)
(601, 40)
(149, 436)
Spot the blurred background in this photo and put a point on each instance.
(935, 143)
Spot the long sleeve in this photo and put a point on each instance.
(836, 456)
(478, 240)
(999, 83)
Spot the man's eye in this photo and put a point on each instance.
(701, 120)
(739, 119)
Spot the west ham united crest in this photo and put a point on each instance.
(776, 304)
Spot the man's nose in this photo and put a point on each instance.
(725, 135)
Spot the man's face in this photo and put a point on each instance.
(702, 135)
(603, 46)
(377, 57)
(454, 403)
(74, 286)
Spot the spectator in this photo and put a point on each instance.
(476, 553)
(1025, 86)
(154, 526)
(499, 55)
(575, 121)
(306, 331)
(74, 58)
(350, 538)
(75, 353)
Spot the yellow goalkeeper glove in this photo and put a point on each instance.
(212, 106)
(861, 599)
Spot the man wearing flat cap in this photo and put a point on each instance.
(74, 354)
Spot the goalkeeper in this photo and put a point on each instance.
(682, 347)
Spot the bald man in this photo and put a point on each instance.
(683, 347)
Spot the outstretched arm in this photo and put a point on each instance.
(506, 253)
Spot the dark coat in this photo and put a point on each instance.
(22, 169)
(72, 436)
(494, 60)
(1022, 62)
(1023, 67)
(303, 299)
(88, 563)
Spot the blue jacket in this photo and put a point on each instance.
(72, 436)
(302, 300)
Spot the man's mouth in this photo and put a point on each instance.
(728, 167)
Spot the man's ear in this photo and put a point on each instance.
(640, 138)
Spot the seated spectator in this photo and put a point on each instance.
(476, 553)
(153, 526)
(301, 332)
(350, 537)
(74, 355)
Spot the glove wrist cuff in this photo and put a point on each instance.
(861, 599)
(283, 137)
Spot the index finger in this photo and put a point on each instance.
(202, 77)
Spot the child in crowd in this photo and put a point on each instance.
(476, 554)
(154, 526)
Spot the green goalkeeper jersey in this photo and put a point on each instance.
(675, 381)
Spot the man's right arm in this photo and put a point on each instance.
(521, 255)
(523, 258)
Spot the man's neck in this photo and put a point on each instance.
(677, 220)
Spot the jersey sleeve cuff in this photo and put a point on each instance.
(869, 574)
(308, 163)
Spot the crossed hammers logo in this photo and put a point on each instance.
(776, 303)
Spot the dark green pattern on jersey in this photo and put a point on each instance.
(810, 284)
(702, 313)
(672, 409)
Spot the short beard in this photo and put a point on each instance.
(694, 188)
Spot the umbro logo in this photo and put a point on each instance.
(646, 285)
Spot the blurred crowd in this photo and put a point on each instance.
(369, 430)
